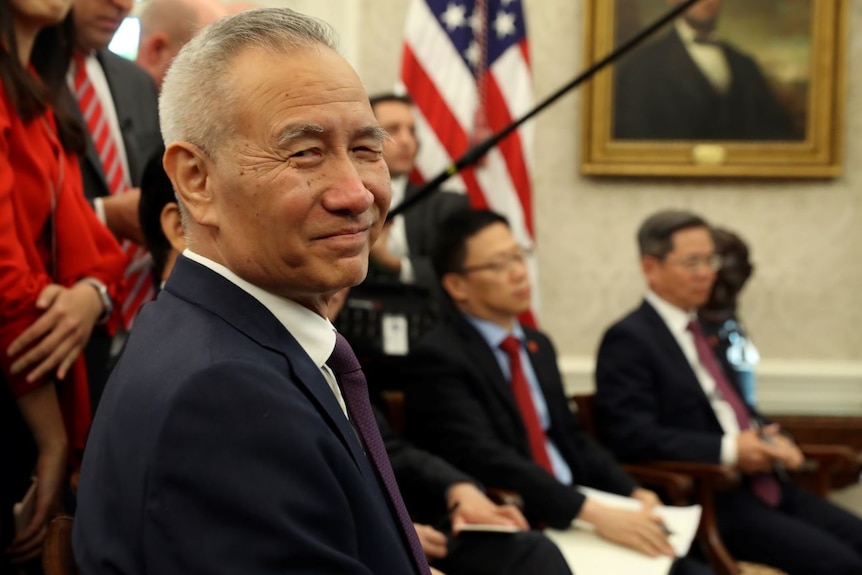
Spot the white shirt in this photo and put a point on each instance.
(109, 111)
(709, 58)
(677, 321)
(397, 245)
(314, 333)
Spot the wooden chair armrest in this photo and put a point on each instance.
(836, 457)
(823, 461)
(718, 476)
(679, 488)
(502, 496)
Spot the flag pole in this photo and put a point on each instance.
(474, 154)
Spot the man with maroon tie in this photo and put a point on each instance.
(662, 394)
(485, 393)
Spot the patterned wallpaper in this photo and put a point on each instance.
(806, 237)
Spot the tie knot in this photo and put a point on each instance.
(342, 360)
(694, 328)
(511, 345)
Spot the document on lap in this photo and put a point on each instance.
(589, 554)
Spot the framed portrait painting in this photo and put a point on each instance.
(732, 88)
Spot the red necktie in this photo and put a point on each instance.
(354, 388)
(521, 390)
(137, 277)
(764, 485)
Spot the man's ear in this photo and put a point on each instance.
(152, 49)
(172, 226)
(455, 285)
(189, 169)
(649, 266)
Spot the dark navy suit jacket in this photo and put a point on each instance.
(649, 404)
(460, 405)
(219, 448)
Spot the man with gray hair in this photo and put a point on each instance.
(166, 26)
(236, 435)
(663, 394)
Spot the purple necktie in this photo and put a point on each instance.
(764, 485)
(351, 380)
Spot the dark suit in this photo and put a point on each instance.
(422, 223)
(650, 405)
(137, 103)
(220, 448)
(423, 480)
(460, 406)
(661, 94)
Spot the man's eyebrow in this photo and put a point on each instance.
(375, 132)
(304, 130)
(293, 132)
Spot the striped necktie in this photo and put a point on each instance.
(137, 277)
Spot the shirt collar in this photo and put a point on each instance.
(399, 189)
(492, 333)
(314, 333)
(688, 34)
(675, 318)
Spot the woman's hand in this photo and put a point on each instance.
(41, 411)
(56, 339)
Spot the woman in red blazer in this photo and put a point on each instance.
(60, 269)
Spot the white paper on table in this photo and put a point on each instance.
(589, 554)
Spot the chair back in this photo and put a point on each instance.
(584, 404)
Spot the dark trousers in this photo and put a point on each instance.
(528, 553)
(804, 535)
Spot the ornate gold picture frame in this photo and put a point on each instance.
(750, 89)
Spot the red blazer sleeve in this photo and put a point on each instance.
(38, 247)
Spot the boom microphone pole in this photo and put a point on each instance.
(474, 154)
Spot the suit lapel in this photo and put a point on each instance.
(487, 365)
(125, 117)
(412, 224)
(687, 76)
(674, 356)
(205, 288)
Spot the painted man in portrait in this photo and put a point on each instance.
(691, 85)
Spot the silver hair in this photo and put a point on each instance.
(196, 101)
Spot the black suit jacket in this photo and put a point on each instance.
(422, 224)
(137, 103)
(649, 404)
(661, 94)
(423, 478)
(219, 448)
(460, 406)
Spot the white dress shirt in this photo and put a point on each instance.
(314, 333)
(397, 245)
(709, 57)
(677, 321)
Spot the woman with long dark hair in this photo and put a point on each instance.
(60, 270)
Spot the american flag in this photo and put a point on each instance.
(466, 65)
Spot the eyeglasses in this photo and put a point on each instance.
(501, 264)
(692, 263)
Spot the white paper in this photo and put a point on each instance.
(589, 554)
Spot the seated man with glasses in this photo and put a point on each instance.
(663, 394)
(485, 393)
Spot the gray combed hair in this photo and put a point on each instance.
(196, 100)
